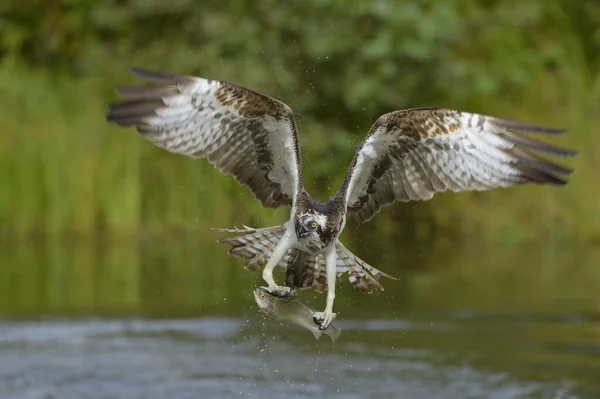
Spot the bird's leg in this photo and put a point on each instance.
(280, 249)
(326, 317)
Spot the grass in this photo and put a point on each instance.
(65, 171)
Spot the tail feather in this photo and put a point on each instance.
(299, 269)
(320, 280)
(302, 270)
(362, 276)
(255, 245)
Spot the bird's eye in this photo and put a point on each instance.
(313, 224)
(262, 296)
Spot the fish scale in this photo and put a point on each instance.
(293, 310)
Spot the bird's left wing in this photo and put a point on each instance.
(412, 154)
(241, 132)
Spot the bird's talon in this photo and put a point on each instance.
(282, 292)
(324, 319)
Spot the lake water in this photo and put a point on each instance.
(176, 319)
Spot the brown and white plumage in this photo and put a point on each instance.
(255, 245)
(411, 154)
(408, 155)
(302, 270)
(241, 132)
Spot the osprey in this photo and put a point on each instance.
(408, 155)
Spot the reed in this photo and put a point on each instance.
(65, 171)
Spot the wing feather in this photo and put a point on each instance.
(255, 245)
(412, 154)
(241, 132)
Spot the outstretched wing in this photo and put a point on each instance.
(241, 132)
(412, 154)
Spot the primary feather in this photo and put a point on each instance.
(410, 155)
(243, 133)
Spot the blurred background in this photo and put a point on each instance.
(96, 222)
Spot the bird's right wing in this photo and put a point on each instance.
(241, 132)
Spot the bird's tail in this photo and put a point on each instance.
(302, 270)
(255, 245)
(362, 276)
(310, 271)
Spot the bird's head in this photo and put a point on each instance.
(310, 224)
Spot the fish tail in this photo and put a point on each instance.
(317, 333)
(335, 333)
(255, 245)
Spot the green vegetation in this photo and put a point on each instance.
(65, 171)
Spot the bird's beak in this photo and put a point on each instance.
(301, 231)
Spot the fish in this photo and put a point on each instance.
(293, 310)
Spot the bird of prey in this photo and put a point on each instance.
(407, 155)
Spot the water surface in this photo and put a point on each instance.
(154, 320)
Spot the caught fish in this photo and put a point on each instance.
(293, 310)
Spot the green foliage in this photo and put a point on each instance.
(338, 64)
